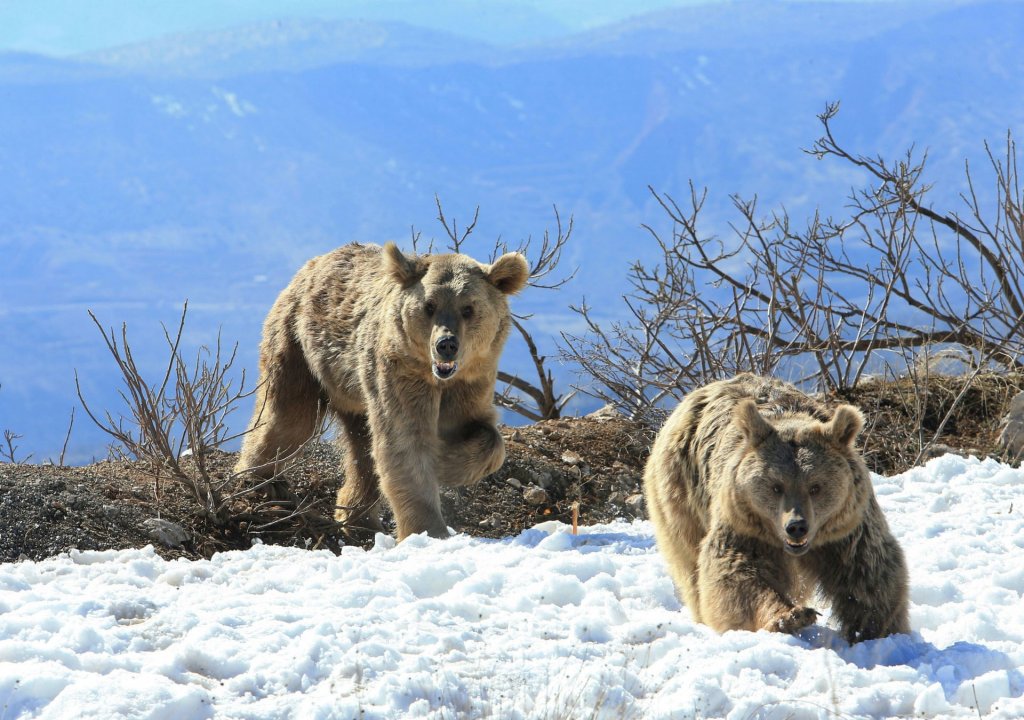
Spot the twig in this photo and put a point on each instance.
(67, 438)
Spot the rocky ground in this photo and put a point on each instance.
(594, 464)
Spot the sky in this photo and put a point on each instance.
(545, 625)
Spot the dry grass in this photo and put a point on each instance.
(911, 420)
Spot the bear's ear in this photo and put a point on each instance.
(845, 425)
(752, 423)
(404, 269)
(509, 273)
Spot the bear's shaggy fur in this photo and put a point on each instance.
(758, 496)
(403, 350)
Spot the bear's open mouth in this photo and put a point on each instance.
(445, 370)
(797, 547)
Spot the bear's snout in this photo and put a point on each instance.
(445, 351)
(447, 347)
(796, 540)
(796, 528)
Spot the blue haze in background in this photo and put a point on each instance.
(140, 168)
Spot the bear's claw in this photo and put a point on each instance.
(794, 620)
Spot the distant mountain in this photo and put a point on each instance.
(291, 46)
(209, 167)
(750, 25)
(18, 68)
(65, 27)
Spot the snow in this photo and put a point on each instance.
(542, 625)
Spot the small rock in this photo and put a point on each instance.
(166, 532)
(570, 457)
(516, 436)
(938, 450)
(542, 478)
(513, 481)
(607, 412)
(535, 495)
(627, 485)
(636, 502)
(494, 521)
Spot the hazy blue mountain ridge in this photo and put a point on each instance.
(291, 45)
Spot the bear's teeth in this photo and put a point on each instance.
(445, 370)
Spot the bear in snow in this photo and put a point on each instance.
(758, 497)
(403, 351)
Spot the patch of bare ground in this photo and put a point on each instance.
(594, 463)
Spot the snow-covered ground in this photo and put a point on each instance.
(543, 625)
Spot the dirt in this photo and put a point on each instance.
(594, 463)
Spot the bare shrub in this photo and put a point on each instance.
(9, 449)
(826, 303)
(175, 424)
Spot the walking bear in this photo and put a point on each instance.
(758, 497)
(403, 350)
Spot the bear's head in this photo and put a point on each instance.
(455, 310)
(800, 479)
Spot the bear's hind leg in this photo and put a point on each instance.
(746, 585)
(678, 543)
(288, 409)
(358, 504)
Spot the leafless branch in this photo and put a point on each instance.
(824, 301)
(67, 439)
(455, 237)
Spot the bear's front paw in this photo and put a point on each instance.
(485, 438)
(793, 620)
(475, 451)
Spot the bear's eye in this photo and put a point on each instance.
(467, 312)
(430, 308)
(814, 489)
(777, 488)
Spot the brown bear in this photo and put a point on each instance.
(758, 497)
(403, 351)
